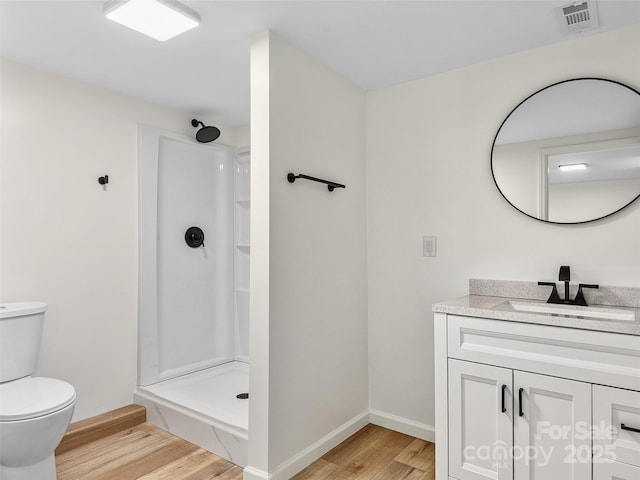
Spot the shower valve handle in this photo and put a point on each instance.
(194, 236)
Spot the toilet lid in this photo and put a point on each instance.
(32, 397)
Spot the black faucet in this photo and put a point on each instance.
(565, 276)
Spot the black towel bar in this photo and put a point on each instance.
(330, 185)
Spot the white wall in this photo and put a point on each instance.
(308, 277)
(517, 172)
(590, 199)
(428, 173)
(64, 239)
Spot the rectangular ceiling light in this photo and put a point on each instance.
(159, 19)
(573, 167)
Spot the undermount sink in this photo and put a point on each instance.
(605, 313)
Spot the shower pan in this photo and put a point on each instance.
(193, 325)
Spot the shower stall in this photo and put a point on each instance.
(193, 320)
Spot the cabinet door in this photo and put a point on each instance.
(480, 421)
(551, 428)
(616, 421)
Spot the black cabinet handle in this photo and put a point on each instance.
(630, 429)
(520, 412)
(504, 409)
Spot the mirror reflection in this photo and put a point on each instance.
(570, 153)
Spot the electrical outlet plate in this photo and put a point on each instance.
(429, 246)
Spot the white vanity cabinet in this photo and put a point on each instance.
(480, 420)
(494, 411)
(528, 401)
(616, 443)
(548, 412)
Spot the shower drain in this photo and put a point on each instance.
(242, 396)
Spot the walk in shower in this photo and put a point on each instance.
(193, 322)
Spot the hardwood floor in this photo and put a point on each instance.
(375, 453)
(146, 452)
(95, 428)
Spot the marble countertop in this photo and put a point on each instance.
(500, 308)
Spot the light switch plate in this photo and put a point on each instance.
(429, 246)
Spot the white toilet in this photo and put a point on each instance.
(34, 411)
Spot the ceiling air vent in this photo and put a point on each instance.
(577, 17)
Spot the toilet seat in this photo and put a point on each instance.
(33, 397)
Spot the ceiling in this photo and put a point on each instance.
(374, 43)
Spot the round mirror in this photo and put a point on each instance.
(570, 153)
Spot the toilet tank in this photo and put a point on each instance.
(20, 335)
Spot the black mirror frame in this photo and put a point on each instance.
(507, 118)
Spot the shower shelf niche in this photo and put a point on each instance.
(242, 172)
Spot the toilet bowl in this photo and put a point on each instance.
(34, 411)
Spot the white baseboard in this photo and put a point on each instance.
(402, 425)
(250, 473)
(309, 455)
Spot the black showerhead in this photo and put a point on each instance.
(207, 133)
